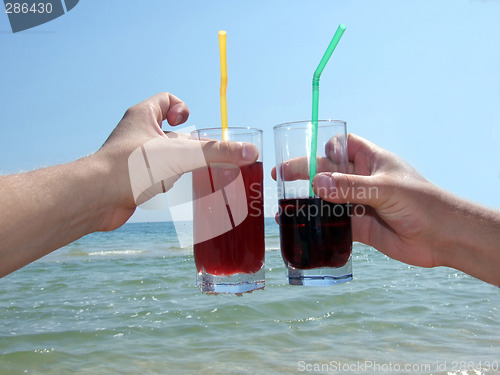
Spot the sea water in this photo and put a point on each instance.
(126, 302)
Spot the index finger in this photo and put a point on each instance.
(171, 108)
(162, 106)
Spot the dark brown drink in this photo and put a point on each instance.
(314, 233)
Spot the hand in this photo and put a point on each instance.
(403, 215)
(45, 209)
(399, 205)
(171, 154)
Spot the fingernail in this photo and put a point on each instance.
(324, 182)
(249, 151)
(179, 119)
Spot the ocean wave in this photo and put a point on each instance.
(272, 248)
(115, 252)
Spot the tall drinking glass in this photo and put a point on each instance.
(228, 219)
(315, 235)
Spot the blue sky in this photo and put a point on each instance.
(420, 79)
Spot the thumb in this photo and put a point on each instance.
(238, 153)
(349, 188)
(157, 165)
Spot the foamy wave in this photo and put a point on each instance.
(272, 248)
(116, 252)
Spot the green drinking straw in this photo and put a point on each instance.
(315, 102)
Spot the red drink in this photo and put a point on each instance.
(314, 233)
(241, 249)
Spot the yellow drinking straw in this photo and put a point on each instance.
(223, 83)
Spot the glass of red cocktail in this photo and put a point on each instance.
(228, 219)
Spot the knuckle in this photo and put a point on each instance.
(220, 151)
(130, 111)
(349, 181)
(225, 150)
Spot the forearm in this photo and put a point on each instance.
(471, 240)
(46, 209)
(43, 210)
